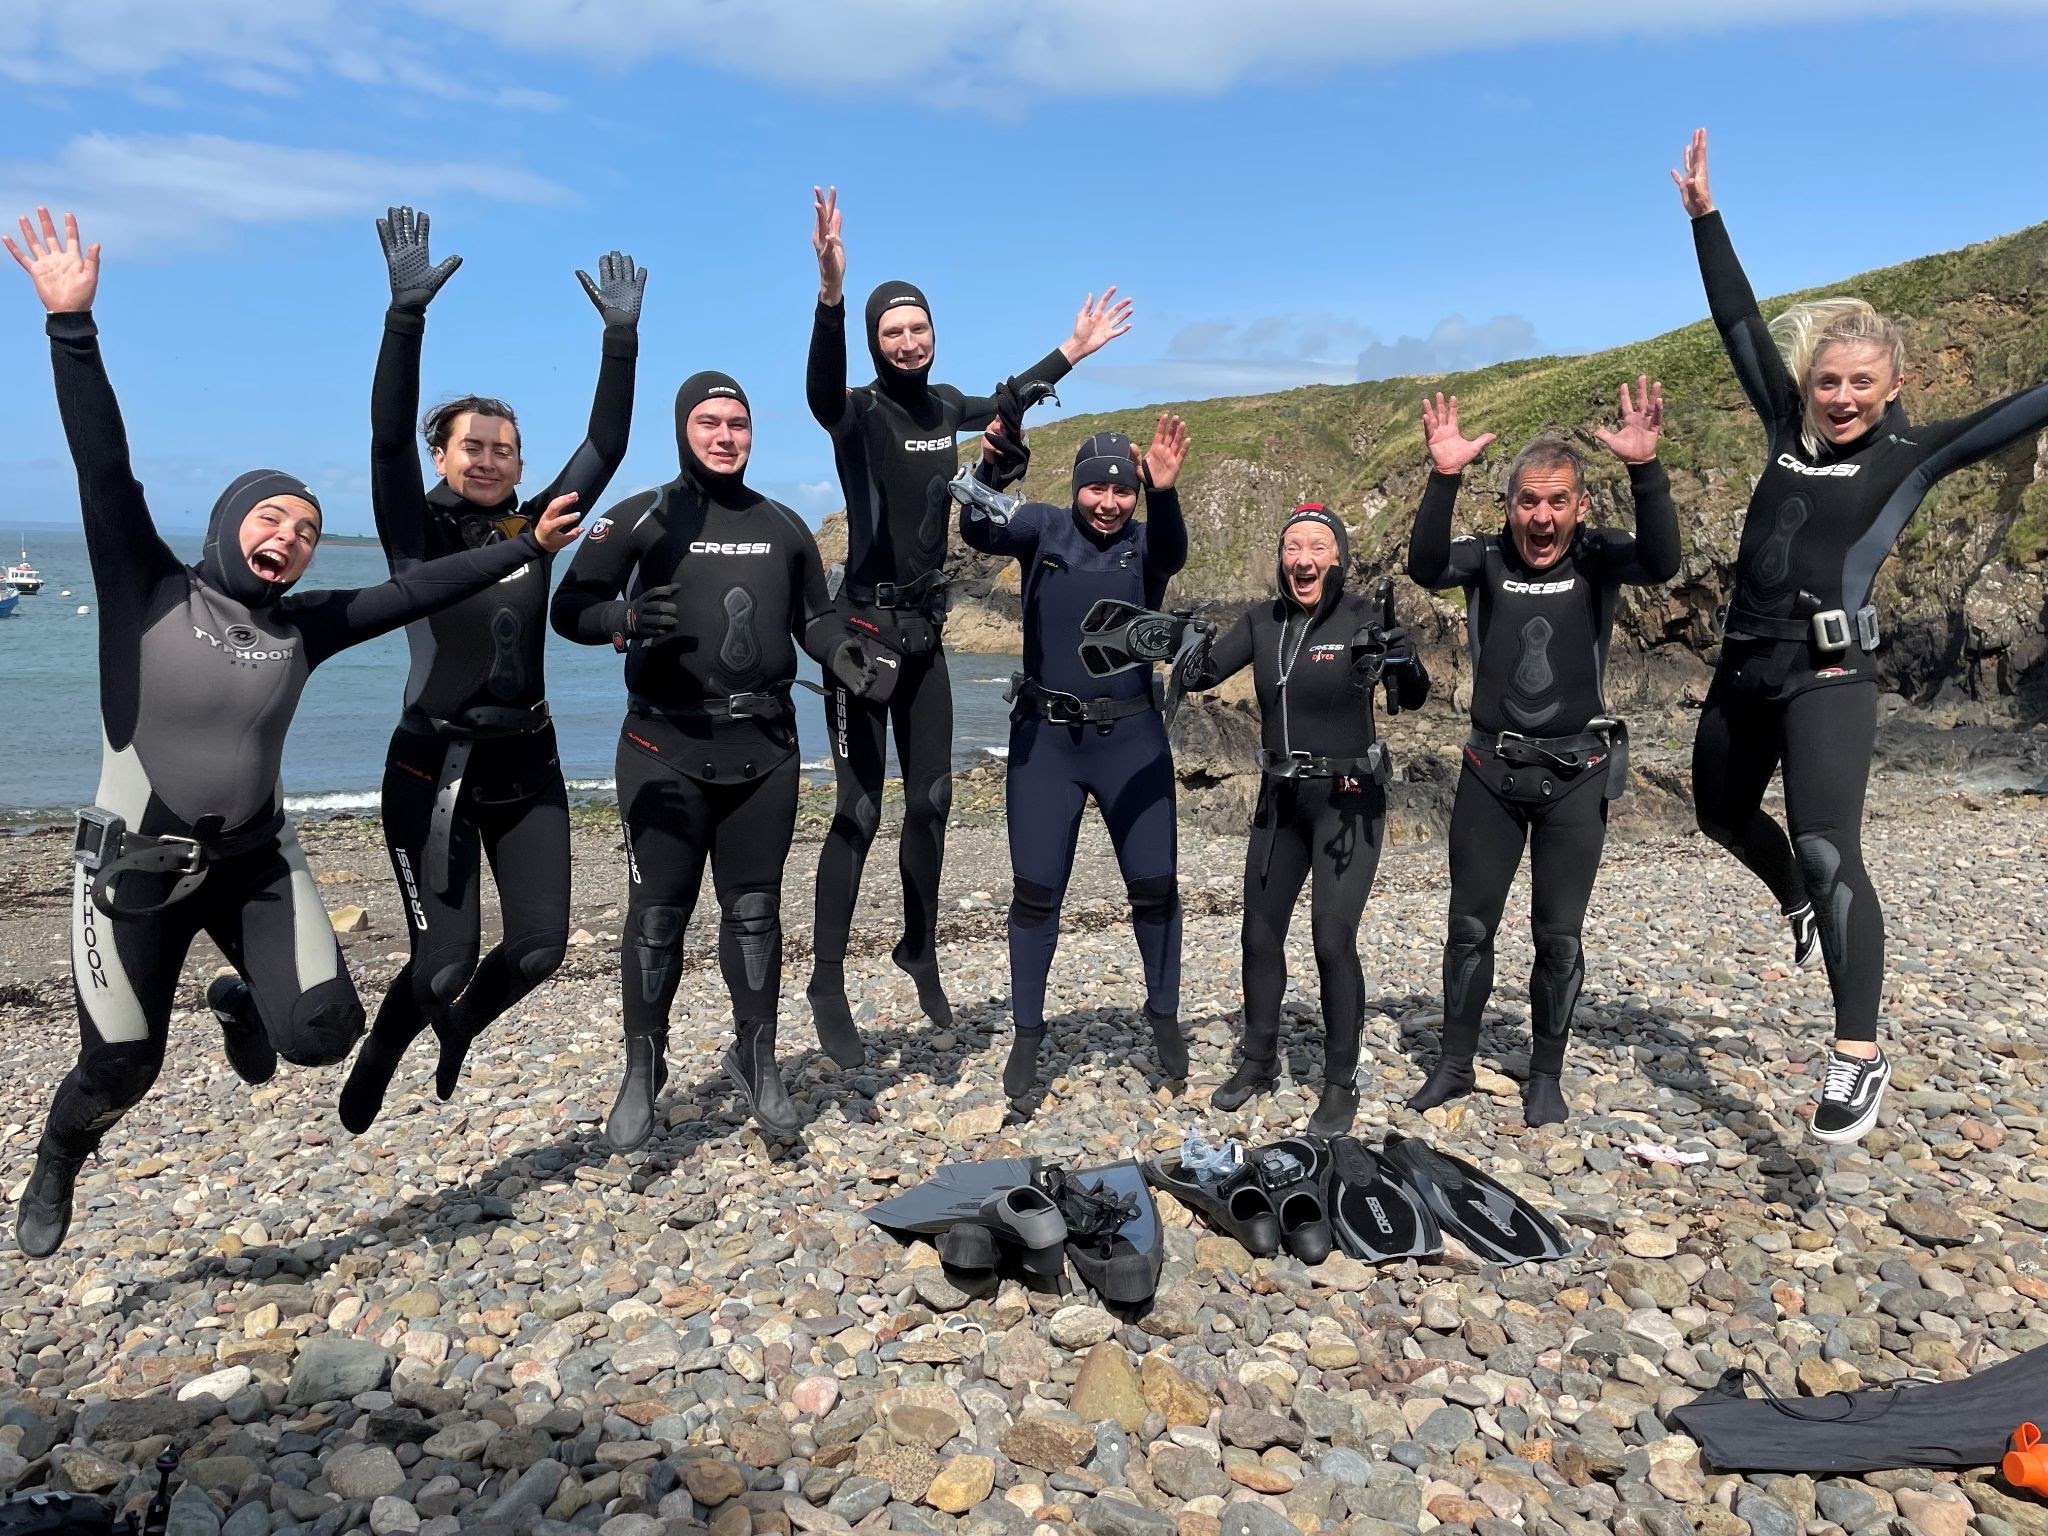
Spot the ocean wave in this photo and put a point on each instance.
(332, 801)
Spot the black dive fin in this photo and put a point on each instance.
(1487, 1217)
(1116, 1241)
(1116, 636)
(955, 1193)
(1376, 1217)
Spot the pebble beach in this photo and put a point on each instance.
(476, 1318)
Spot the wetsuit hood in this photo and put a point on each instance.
(222, 565)
(906, 384)
(697, 388)
(1333, 579)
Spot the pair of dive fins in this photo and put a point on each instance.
(1377, 1206)
(1026, 1213)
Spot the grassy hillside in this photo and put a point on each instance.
(1977, 333)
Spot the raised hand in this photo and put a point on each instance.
(557, 526)
(1692, 182)
(414, 277)
(1162, 461)
(1099, 323)
(66, 274)
(1449, 449)
(1642, 418)
(618, 290)
(826, 242)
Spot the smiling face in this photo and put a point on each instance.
(721, 434)
(1106, 507)
(905, 336)
(1544, 513)
(1848, 388)
(278, 538)
(1308, 552)
(480, 460)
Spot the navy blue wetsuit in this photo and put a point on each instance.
(1123, 763)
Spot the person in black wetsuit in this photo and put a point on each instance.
(1544, 757)
(1796, 685)
(893, 441)
(1074, 737)
(200, 671)
(704, 584)
(472, 769)
(1316, 654)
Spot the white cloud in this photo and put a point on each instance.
(968, 52)
(150, 191)
(1452, 345)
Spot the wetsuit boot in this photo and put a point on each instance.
(1258, 1066)
(456, 1035)
(931, 987)
(833, 1017)
(1020, 1072)
(1335, 1111)
(44, 1214)
(242, 1033)
(750, 1062)
(633, 1114)
(1169, 1045)
(1543, 1100)
(1450, 1078)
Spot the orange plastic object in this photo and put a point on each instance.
(2026, 1464)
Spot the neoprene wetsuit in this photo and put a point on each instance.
(1538, 642)
(894, 441)
(201, 669)
(707, 761)
(1818, 528)
(472, 769)
(1322, 803)
(1074, 737)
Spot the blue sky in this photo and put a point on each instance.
(1292, 193)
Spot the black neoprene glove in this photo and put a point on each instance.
(414, 277)
(852, 667)
(647, 616)
(618, 289)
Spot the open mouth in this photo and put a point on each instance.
(1841, 421)
(1305, 582)
(269, 564)
(1541, 545)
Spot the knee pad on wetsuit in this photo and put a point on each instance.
(1820, 866)
(938, 795)
(438, 989)
(1468, 948)
(117, 1076)
(658, 942)
(322, 1035)
(754, 924)
(536, 959)
(1154, 899)
(862, 814)
(1555, 980)
(1033, 905)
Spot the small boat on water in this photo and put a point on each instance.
(8, 598)
(24, 577)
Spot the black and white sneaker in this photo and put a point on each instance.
(1850, 1093)
(1805, 935)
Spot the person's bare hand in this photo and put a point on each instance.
(66, 273)
(1692, 182)
(1162, 461)
(559, 525)
(826, 241)
(1642, 418)
(1449, 449)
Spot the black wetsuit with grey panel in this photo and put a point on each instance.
(1819, 527)
(696, 781)
(197, 689)
(1538, 641)
(478, 689)
(894, 441)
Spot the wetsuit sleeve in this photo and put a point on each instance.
(334, 621)
(1166, 533)
(977, 411)
(592, 465)
(825, 369)
(587, 607)
(1231, 654)
(1947, 446)
(128, 556)
(815, 621)
(398, 487)
(1758, 367)
(1019, 536)
(1435, 561)
(1651, 556)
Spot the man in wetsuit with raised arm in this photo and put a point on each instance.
(894, 443)
(472, 769)
(200, 671)
(1544, 756)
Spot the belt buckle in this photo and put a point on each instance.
(885, 594)
(1299, 764)
(1830, 631)
(1500, 741)
(746, 706)
(194, 856)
